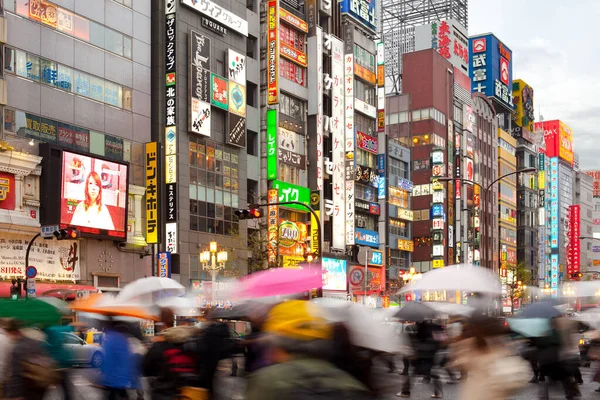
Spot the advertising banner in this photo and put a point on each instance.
(236, 68)
(219, 92)
(171, 202)
(237, 130)
(552, 188)
(491, 69)
(171, 239)
(363, 12)
(272, 144)
(292, 238)
(448, 38)
(164, 264)
(574, 252)
(315, 203)
(337, 143)
(290, 192)
(293, 54)
(237, 99)
(334, 274)
(200, 117)
(54, 259)
(94, 195)
(152, 182)
(565, 143)
(272, 226)
(366, 142)
(349, 139)
(376, 279)
(293, 20)
(523, 99)
(366, 237)
(170, 160)
(273, 51)
(219, 14)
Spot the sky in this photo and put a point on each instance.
(555, 51)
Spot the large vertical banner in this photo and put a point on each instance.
(574, 251)
(170, 139)
(319, 71)
(272, 226)
(273, 52)
(338, 150)
(271, 144)
(236, 73)
(200, 83)
(380, 87)
(349, 131)
(152, 183)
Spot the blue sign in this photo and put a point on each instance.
(554, 275)
(334, 274)
(552, 187)
(31, 271)
(490, 69)
(376, 258)
(164, 264)
(405, 184)
(365, 237)
(362, 11)
(437, 210)
(381, 188)
(381, 164)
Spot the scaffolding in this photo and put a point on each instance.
(398, 21)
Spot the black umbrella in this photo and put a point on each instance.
(415, 312)
(542, 309)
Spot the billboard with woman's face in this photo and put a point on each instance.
(93, 195)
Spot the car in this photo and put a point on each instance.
(94, 337)
(83, 353)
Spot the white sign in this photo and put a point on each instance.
(317, 44)
(200, 117)
(437, 223)
(450, 236)
(438, 250)
(337, 142)
(219, 14)
(449, 38)
(54, 259)
(365, 108)
(349, 143)
(171, 237)
(236, 67)
(48, 231)
(31, 292)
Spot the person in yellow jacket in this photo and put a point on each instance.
(299, 348)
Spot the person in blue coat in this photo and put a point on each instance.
(118, 368)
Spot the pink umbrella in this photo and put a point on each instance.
(280, 281)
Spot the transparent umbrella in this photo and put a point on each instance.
(462, 277)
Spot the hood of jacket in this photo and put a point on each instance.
(180, 334)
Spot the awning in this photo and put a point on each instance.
(61, 290)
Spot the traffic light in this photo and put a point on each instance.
(67, 234)
(250, 213)
(577, 275)
(15, 289)
(408, 297)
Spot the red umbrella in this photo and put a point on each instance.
(280, 281)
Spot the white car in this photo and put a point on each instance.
(83, 353)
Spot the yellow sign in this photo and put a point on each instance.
(4, 188)
(541, 180)
(406, 245)
(171, 170)
(565, 142)
(292, 261)
(595, 262)
(523, 100)
(314, 233)
(437, 185)
(272, 225)
(365, 74)
(438, 263)
(151, 193)
(406, 215)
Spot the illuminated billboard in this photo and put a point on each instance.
(363, 12)
(490, 69)
(558, 138)
(523, 101)
(552, 188)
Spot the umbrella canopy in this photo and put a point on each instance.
(580, 289)
(590, 317)
(153, 287)
(182, 306)
(416, 312)
(530, 327)
(104, 305)
(280, 281)
(542, 309)
(33, 312)
(462, 277)
(451, 309)
(366, 330)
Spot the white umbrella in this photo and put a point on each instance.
(366, 330)
(590, 317)
(451, 309)
(182, 306)
(457, 277)
(580, 289)
(152, 287)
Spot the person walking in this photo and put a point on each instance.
(116, 372)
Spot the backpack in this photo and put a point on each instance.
(40, 370)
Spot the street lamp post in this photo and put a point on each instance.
(213, 261)
(485, 190)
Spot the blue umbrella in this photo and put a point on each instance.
(530, 327)
(542, 309)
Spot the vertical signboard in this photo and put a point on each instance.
(164, 264)
(199, 84)
(554, 275)
(574, 252)
(553, 196)
(315, 203)
(236, 118)
(338, 150)
(364, 12)
(171, 227)
(272, 226)
(317, 63)
(349, 131)
(273, 51)
(380, 88)
(152, 182)
(271, 144)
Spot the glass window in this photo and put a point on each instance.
(33, 67)
(9, 59)
(96, 34)
(49, 72)
(82, 83)
(113, 94)
(127, 47)
(114, 41)
(97, 88)
(65, 78)
(127, 99)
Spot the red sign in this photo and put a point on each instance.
(479, 45)
(273, 51)
(504, 70)
(376, 279)
(366, 142)
(7, 191)
(574, 251)
(444, 40)
(293, 20)
(293, 54)
(550, 129)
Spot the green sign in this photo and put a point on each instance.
(219, 91)
(289, 192)
(271, 144)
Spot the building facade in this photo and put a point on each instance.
(507, 199)
(76, 77)
(583, 192)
